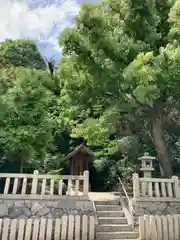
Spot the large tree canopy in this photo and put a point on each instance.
(31, 130)
(117, 88)
(120, 66)
(26, 126)
(21, 53)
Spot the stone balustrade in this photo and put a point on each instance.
(35, 195)
(47, 187)
(156, 188)
(156, 196)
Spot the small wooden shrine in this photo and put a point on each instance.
(80, 158)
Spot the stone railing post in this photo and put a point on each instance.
(34, 182)
(86, 183)
(136, 186)
(176, 186)
(69, 186)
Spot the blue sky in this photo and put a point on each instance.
(40, 20)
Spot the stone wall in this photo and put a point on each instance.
(156, 208)
(24, 209)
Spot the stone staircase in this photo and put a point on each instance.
(113, 224)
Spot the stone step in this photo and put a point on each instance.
(114, 228)
(108, 208)
(121, 191)
(130, 194)
(112, 220)
(124, 239)
(116, 235)
(110, 213)
(108, 202)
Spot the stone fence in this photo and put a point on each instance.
(156, 189)
(156, 196)
(24, 196)
(159, 227)
(65, 228)
(46, 187)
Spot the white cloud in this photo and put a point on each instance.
(17, 20)
(34, 19)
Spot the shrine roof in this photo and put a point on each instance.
(81, 148)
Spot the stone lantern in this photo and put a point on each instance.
(147, 165)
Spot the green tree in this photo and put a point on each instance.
(121, 62)
(21, 53)
(26, 126)
(31, 128)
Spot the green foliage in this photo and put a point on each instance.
(117, 88)
(124, 58)
(53, 163)
(31, 126)
(26, 124)
(20, 53)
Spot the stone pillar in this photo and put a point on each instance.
(147, 165)
(35, 182)
(136, 186)
(176, 186)
(86, 183)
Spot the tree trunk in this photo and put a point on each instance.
(159, 140)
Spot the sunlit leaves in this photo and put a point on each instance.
(123, 57)
(26, 125)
